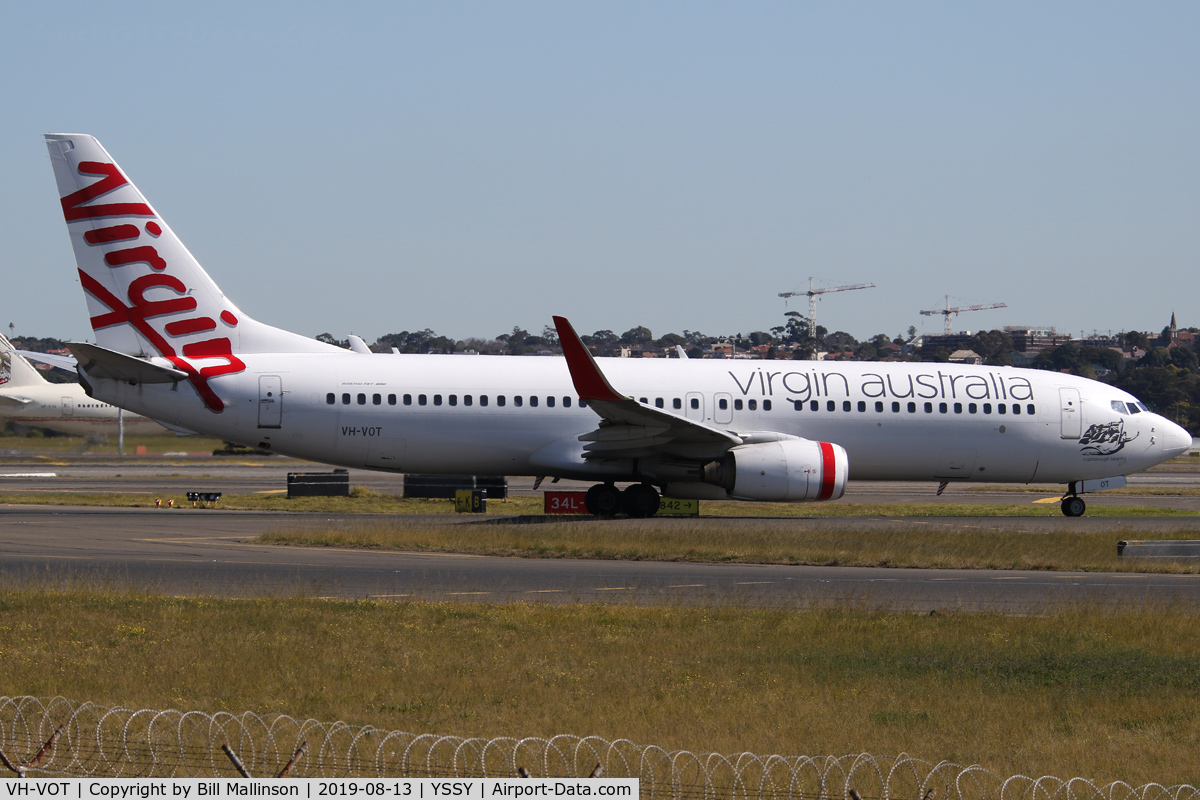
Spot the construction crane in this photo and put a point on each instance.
(947, 312)
(812, 300)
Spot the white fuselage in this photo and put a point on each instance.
(65, 407)
(520, 415)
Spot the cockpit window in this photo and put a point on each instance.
(1136, 407)
(1119, 406)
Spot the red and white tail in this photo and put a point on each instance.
(146, 294)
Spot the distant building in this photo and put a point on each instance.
(1035, 340)
(965, 357)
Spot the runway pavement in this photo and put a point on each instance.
(209, 552)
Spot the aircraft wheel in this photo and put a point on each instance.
(603, 500)
(640, 500)
(1073, 506)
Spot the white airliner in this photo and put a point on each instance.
(171, 346)
(29, 399)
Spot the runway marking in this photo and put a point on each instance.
(1049, 500)
(684, 585)
(275, 491)
(390, 595)
(544, 591)
(462, 593)
(612, 588)
(29, 475)
(188, 538)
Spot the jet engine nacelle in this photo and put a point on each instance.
(794, 470)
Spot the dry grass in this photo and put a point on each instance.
(948, 544)
(1079, 692)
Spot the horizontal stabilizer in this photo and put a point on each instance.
(98, 362)
(61, 362)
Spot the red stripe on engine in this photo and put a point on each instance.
(828, 470)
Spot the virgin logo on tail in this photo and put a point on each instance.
(140, 309)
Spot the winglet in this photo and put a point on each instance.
(589, 381)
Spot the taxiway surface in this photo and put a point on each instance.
(210, 552)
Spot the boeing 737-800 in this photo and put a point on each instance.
(27, 398)
(170, 345)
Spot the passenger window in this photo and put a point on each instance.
(566, 402)
(658, 402)
(453, 399)
(483, 399)
(676, 403)
(696, 403)
(879, 405)
(862, 405)
(929, 408)
(943, 408)
(408, 399)
(500, 400)
(972, 408)
(437, 399)
(468, 400)
(830, 405)
(845, 405)
(721, 404)
(345, 398)
(362, 399)
(518, 401)
(391, 399)
(1030, 409)
(752, 404)
(329, 398)
(798, 405)
(582, 403)
(1016, 408)
(1000, 408)
(644, 401)
(813, 405)
(987, 408)
(912, 408)
(958, 408)
(376, 399)
(766, 405)
(550, 402)
(422, 400)
(533, 401)
(895, 407)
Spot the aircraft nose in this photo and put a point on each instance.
(1175, 439)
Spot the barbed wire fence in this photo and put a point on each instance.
(57, 737)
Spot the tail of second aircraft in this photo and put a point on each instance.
(146, 294)
(15, 371)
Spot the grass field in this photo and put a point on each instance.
(925, 544)
(1078, 692)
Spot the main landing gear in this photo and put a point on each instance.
(606, 500)
(1072, 504)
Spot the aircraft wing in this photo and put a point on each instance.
(627, 428)
(62, 362)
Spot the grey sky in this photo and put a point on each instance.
(470, 167)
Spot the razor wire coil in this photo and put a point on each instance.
(90, 740)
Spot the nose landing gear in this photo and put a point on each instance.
(1073, 506)
(1072, 503)
(606, 500)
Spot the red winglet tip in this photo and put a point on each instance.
(589, 381)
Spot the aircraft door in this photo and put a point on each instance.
(1072, 413)
(68, 407)
(694, 406)
(270, 401)
(722, 408)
